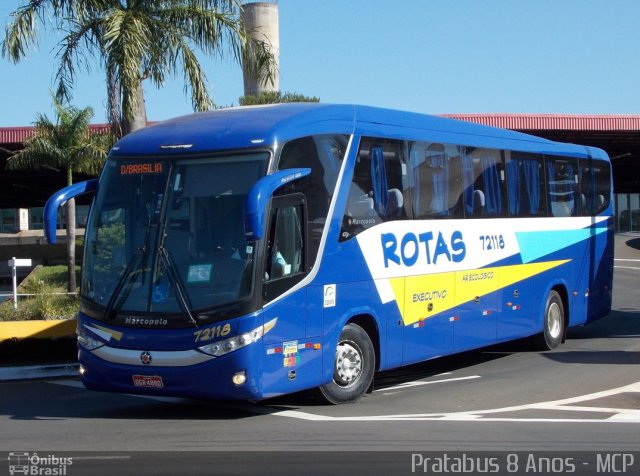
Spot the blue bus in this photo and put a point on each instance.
(252, 252)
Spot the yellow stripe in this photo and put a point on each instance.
(422, 297)
(270, 325)
(117, 335)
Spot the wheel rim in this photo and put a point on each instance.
(348, 364)
(554, 320)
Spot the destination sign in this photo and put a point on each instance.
(148, 168)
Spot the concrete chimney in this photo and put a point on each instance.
(260, 21)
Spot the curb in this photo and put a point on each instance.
(36, 372)
(19, 330)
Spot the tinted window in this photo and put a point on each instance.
(525, 183)
(562, 186)
(483, 182)
(435, 180)
(285, 248)
(595, 186)
(379, 188)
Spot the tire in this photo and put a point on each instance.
(554, 323)
(353, 368)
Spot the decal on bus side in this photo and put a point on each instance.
(422, 247)
(329, 295)
(430, 267)
(428, 295)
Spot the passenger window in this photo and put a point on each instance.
(525, 182)
(562, 179)
(436, 180)
(379, 188)
(483, 182)
(595, 186)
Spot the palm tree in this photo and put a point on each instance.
(138, 40)
(65, 144)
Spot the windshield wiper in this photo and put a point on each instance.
(127, 278)
(174, 278)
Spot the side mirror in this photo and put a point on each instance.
(259, 196)
(51, 207)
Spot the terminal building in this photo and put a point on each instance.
(24, 193)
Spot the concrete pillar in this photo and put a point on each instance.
(260, 20)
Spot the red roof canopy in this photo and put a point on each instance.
(17, 135)
(550, 122)
(520, 122)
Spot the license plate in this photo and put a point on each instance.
(148, 381)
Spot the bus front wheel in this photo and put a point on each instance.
(353, 367)
(554, 323)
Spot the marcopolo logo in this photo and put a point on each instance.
(33, 464)
(145, 321)
(422, 248)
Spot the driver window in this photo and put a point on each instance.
(285, 246)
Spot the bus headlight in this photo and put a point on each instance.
(87, 341)
(225, 346)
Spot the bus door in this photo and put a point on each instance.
(289, 361)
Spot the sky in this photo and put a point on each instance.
(429, 56)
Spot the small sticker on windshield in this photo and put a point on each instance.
(199, 273)
(160, 293)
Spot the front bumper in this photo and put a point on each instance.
(173, 373)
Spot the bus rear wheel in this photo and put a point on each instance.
(353, 367)
(554, 323)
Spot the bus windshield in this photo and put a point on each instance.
(168, 236)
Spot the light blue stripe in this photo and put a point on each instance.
(536, 244)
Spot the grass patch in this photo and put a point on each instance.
(43, 282)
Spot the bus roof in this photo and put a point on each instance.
(255, 126)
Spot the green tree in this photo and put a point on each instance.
(275, 97)
(138, 40)
(64, 144)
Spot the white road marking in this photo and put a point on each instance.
(418, 383)
(625, 267)
(622, 259)
(621, 415)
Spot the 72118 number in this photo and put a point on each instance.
(492, 242)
